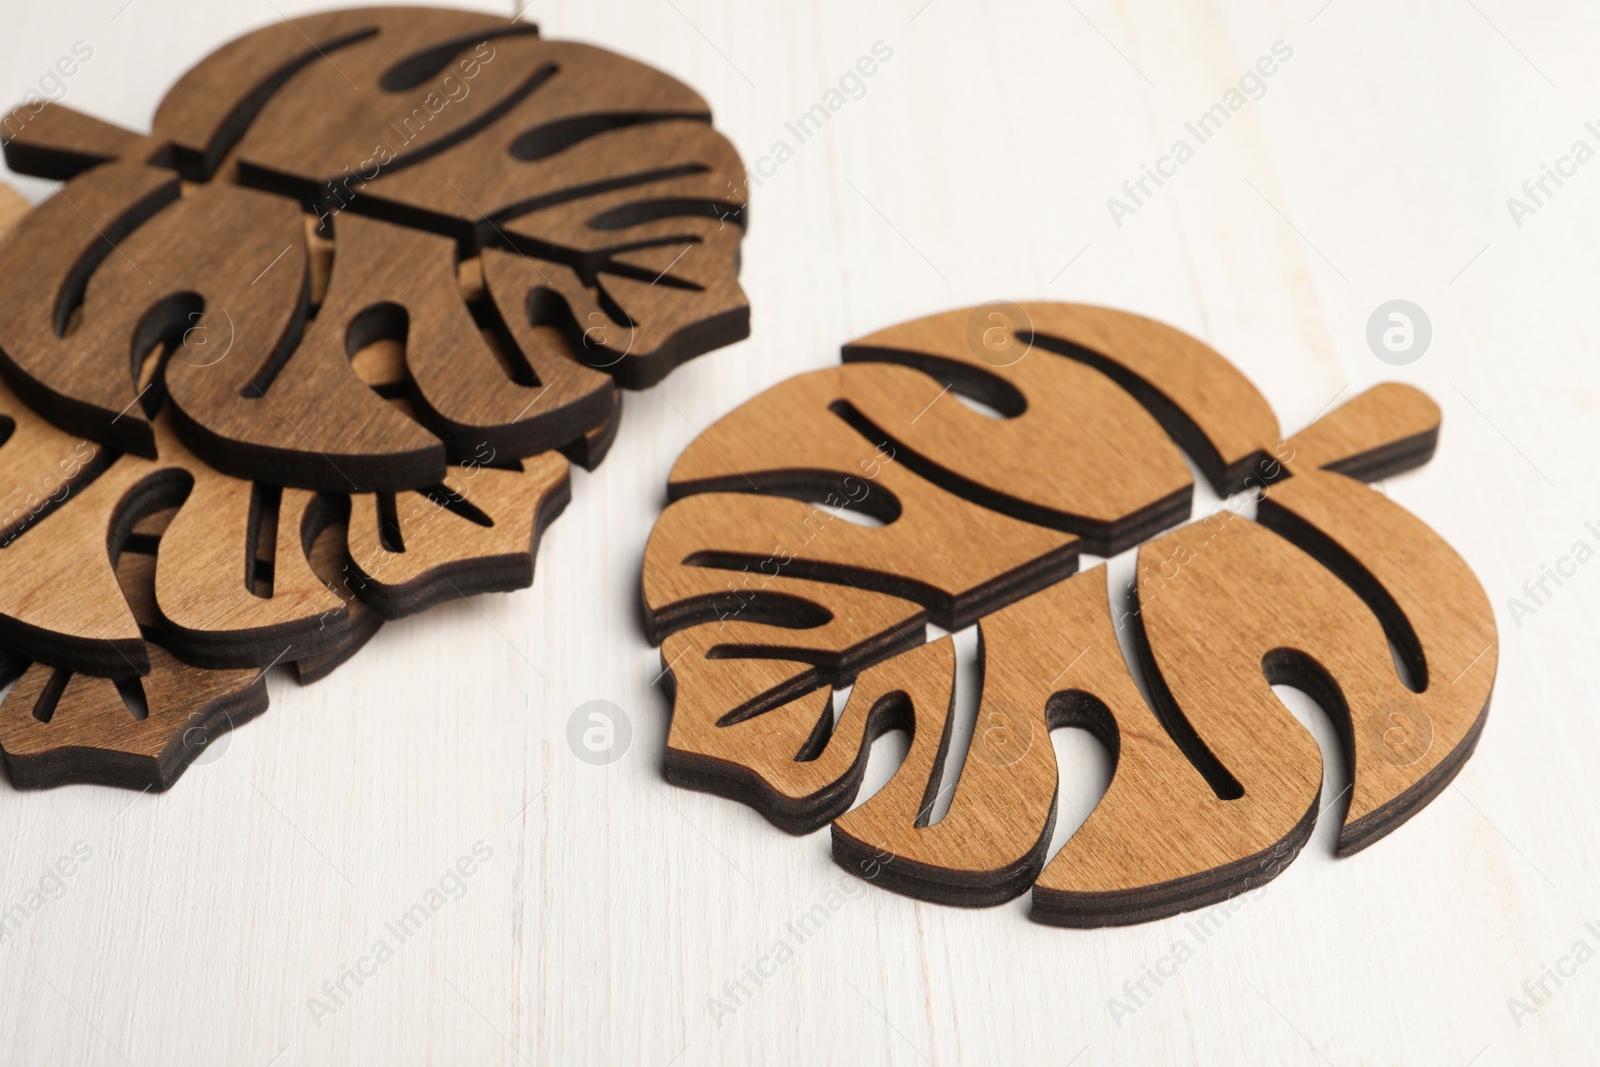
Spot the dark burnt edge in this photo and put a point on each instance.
(655, 208)
(1396, 457)
(92, 766)
(560, 429)
(1165, 899)
(1300, 670)
(545, 305)
(75, 285)
(493, 114)
(809, 485)
(708, 774)
(590, 449)
(255, 647)
(502, 343)
(1171, 716)
(630, 371)
(266, 501)
(972, 382)
(763, 606)
(936, 776)
(605, 262)
(325, 510)
(938, 885)
(409, 73)
(228, 713)
(635, 371)
(200, 165)
(1289, 666)
(85, 476)
(937, 605)
(50, 163)
(1321, 547)
(317, 471)
(310, 193)
(906, 710)
(1100, 538)
(950, 613)
(828, 669)
(68, 413)
(941, 756)
(816, 741)
(616, 218)
(1384, 820)
(1225, 478)
(293, 336)
(554, 428)
(13, 665)
(455, 502)
(461, 578)
(587, 449)
(1149, 903)
(165, 487)
(1084, 710)
(554, 137)
(805, 485)
(363, 625)
(1372, 465)
(60, 164)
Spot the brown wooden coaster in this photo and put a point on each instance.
(155, 593)
(316, 353)
(596, 212)
(817, 528)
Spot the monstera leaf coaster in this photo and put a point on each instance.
(766, 602)
(316, 351)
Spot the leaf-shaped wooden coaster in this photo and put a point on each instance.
(264, 389)
(586, 195)
(765, 600)
(208, 581)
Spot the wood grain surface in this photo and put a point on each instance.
(335, 394)
(601, 176)
(760, 603)
(610, 917)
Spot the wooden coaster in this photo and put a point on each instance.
(154, 594)
(817, 528)
(533, 222)
(267, 385)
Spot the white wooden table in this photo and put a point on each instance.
(608, 913)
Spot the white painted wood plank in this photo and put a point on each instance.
(976, 165)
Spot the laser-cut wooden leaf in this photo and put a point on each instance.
(309, 355)
(603, 211)
(170, 556)
(166, 578)
(761, 604)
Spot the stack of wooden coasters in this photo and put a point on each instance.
(316, 352)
